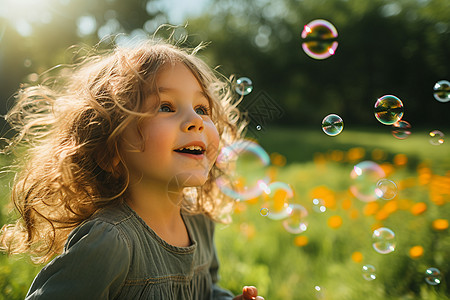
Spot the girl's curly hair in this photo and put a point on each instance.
(72, 166)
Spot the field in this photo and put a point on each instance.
(326, 260)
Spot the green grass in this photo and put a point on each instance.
(256, 250)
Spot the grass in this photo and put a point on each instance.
(326, 260)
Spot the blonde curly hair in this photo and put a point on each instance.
(72, 166)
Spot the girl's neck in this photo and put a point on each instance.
(160, 210)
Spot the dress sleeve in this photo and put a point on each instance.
(94, 265)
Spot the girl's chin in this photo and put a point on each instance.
(188, 179)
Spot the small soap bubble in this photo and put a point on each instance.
(401, 129)
(276, 198)
(296, 221)
(244, 86)
(319, 205)
(319, 39)
(436, 137)
(442, 91)
(388, 109)
(368, 272)
(264, 211)
(27, 63)
(258, 127)
(433, 276)
(365, 176)
(386, 189)
(383, 240)
(246, 164)
(319, 292)
(332, 125)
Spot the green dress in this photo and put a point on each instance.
(115, 255)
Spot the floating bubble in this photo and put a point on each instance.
(296, 221)
(332, 125)
(319, 39)
(401, 129)
(386, 189)
(388, 109)
(365, 176)
(264, 211)
(247, 164)
(320, 292)
(319, 205)
(368, 272)
(436, 138)
(244, 86)
(442, 91)
(276, 198)
(258, 127)
(383, 240)
(433, 276)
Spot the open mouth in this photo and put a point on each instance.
(195, 150)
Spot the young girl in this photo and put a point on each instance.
(119, 168)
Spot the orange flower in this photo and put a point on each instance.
(277, 159)
(357, 256)
(378, 154)
(354, 214)
(335, 222)
(301, 241)
(416, 252)
(355, 154)
(371, 208)
(418, 208)
(440, 224)
(381, 215)
(346, 203)
(400, 159)
(387, 168)
(390, 206)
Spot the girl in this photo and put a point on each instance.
(119, 166)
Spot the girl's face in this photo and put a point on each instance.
(181, 141)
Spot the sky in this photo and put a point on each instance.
(179, 10)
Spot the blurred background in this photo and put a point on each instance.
(384, 47)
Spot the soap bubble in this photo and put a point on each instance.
(365, 176)
(401, 129)
(319, 39)
(264, 211)
(244, 86)
(386, 189)
(433, 276)
(436, 137)
(319, 205)
(383, 240)
(388, 109)
(442, 91)
(332, 125)
(296, 221)
(276, 198)
(368, 272)
(247, 162)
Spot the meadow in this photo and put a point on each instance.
(326, 260)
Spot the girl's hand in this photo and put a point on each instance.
(249, 293)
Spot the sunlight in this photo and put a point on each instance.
(23, 13)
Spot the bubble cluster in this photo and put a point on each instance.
(386, 189)
(436, 137)
(319, 39)
(388, 109)
(247, 162)
(332, 125)
(383, 240)
(433, 276)
(401, 129)
(276, 198)
(244, 86)
(319, 205)
(369, 272)
(441, 91)
(296, 221)
(365, 176)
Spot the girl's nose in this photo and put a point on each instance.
(193, 123)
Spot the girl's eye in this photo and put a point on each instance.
(165, 108)
(202, 110)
